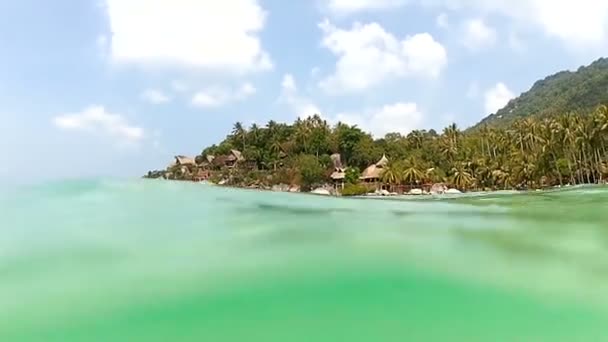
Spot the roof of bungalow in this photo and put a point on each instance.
(183, 160)
(375, 171)
(338, 174)
(383, 161)
(235, 155)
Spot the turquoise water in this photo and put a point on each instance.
(161, 261)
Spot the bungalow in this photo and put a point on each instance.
(184, 161)
(373, 173)
(229, 160)
(339, 173)
(234, 158)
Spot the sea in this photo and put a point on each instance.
(145, 260)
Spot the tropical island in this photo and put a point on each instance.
(553, 135)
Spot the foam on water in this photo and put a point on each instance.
(100, 260)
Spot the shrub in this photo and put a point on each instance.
(352, 176)
(311, 172)
(354, 190)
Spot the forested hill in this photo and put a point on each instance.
(581, 91)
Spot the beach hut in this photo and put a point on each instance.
(373, 173)
(201, 175)
(338, 177)
(184, 161)
(339, 173)
(234, 158)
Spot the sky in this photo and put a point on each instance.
(113, 88)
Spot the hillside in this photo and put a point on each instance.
(581, 91)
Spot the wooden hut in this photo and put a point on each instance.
(339, 173)
(373, 173)
(184, 161)
(234, 158)
(201, 175)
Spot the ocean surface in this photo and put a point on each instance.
(103, 260)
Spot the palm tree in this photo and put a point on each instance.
(412, 173)
(391, 174)
(240, 134)
(461, 178)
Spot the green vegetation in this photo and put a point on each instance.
(581, 91)
(355, 190)
(566, 149)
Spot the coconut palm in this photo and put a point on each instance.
(240, 134)
(461, 178)
(412, 172)
(391, 174)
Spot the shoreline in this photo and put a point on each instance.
(394, 196)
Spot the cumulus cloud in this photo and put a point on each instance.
(218, 96)
(289, 83)
(351, 6)
(209, 34)
(576, 23)
(300, 105)
(368, 55)
(478, 35)
(155, 96)
(497, 98)
(401, 117)
(95, 119)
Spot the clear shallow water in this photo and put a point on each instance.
(160, 261)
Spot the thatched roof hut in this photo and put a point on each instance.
(382, 162)
(235, 156)
(220, 161)
(338, 174)
(184, 161)
(374, 172)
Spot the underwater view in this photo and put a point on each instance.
(110, 260)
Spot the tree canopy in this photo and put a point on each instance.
(529, 153)
(580, 91)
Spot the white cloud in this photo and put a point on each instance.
(368, 56)
(401, 117)
(218, 96)
(351, 6)
(577, 24)
(497, 97)
(442, 21)
(300, 105)
(582, 23)
(155, 96)
(209, 34)
(478, 35)
(95, 119)
(289, 83)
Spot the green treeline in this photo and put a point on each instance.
(529, 153)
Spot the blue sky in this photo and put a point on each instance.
(117, 87)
